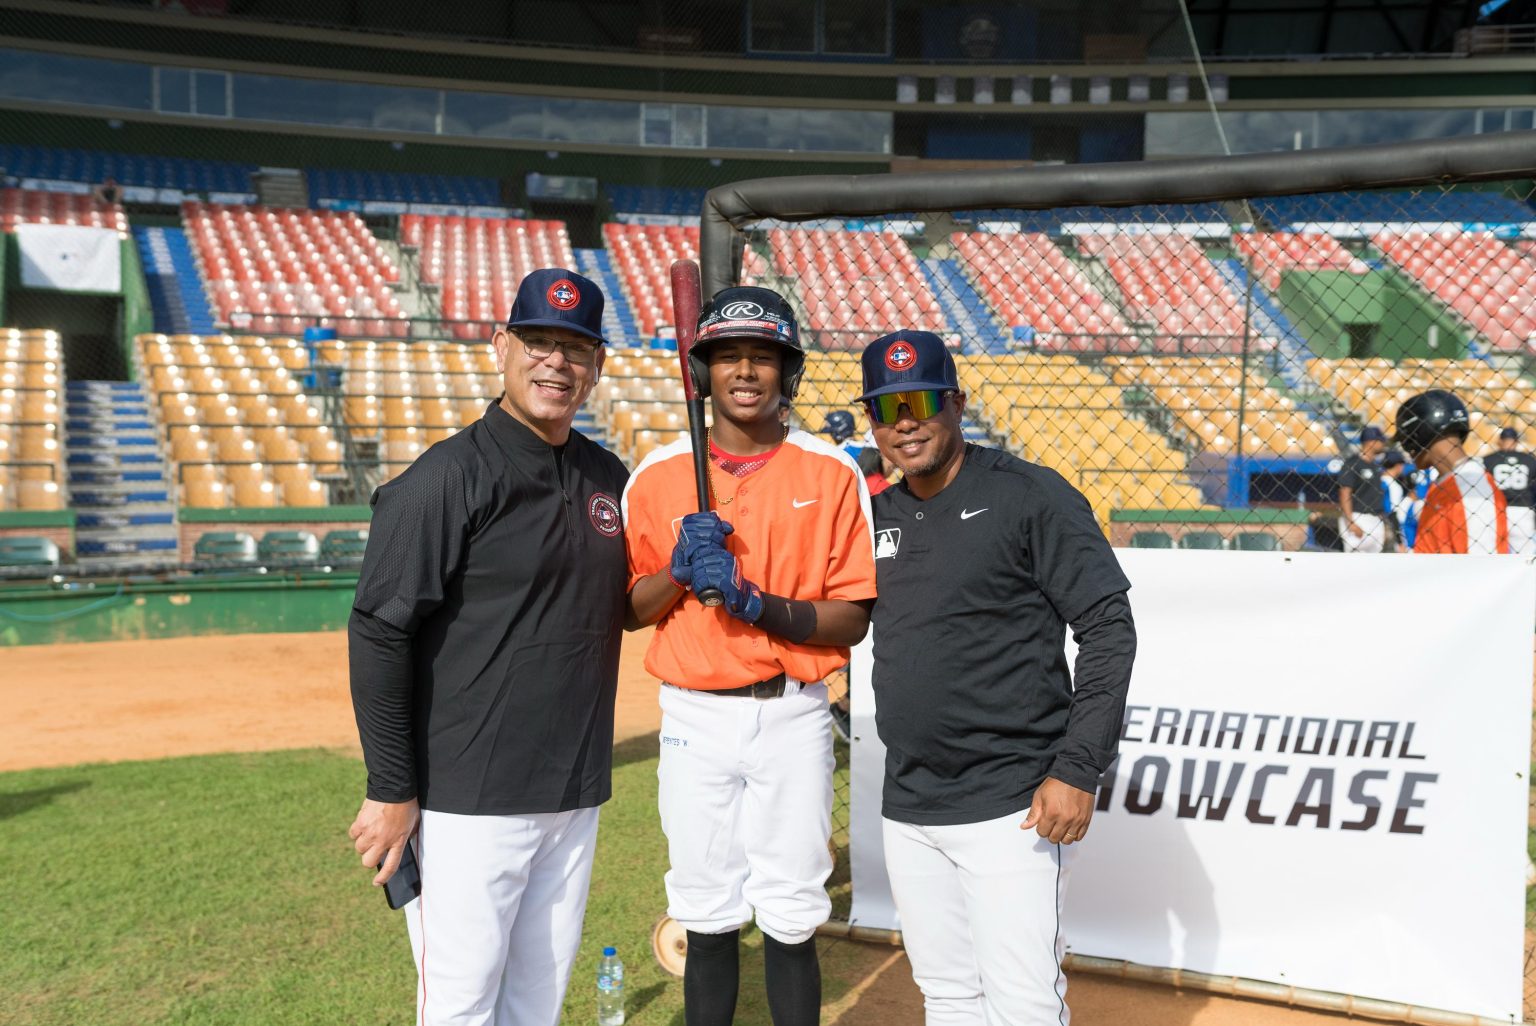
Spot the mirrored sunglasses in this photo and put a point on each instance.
(886, 409)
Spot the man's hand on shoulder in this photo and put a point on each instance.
(380, 832)
(1060, 812)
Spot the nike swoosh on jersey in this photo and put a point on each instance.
(801, 505)
(966, 514)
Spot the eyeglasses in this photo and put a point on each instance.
(886, 409)
(578, 351)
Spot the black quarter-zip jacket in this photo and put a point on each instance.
(485, 634)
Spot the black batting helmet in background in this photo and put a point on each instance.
(746, 311)
(1428, 417)
(839, 425)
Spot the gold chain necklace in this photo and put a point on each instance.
(709, 465)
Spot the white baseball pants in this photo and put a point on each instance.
(746, 803)
(1522, 530)
(1374, 535)
(498, 922)
(980, 907)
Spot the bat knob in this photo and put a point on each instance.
(711, 597)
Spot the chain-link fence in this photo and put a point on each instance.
(1227, 373)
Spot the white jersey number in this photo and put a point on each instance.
(1511, 477)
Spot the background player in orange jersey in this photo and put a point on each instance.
(1464, 510)
(746, 745)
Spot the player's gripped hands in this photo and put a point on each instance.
(1354, 528)
(1060, 812)
(697, 532)
(379, 834)
(716, 568)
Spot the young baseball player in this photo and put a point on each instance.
(993, 751)
(1514, 472)
(484, 645)
(1362, 500)
(746, 744)
(1464, 510)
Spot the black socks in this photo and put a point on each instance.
(711, 977)
(792, 973)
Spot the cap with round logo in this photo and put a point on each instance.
(908, 361)
(553, 297)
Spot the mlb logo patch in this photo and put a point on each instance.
(562, 295)
(900, 356)
(887, 542)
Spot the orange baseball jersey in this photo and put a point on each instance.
(1464, 512)
(803, 530)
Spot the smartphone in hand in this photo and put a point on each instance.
(405, 886)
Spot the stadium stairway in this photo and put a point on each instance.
(1293, 352)
(965, 310)
(118, 483)
(619, 324)
(1292, 355)
(175, 288)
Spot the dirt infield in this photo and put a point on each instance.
(112, 701)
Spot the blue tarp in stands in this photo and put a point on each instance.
(129, 169)
(402, 187)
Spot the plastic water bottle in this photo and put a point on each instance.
(610, 989)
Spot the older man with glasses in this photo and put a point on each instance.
(993, 752)
(485, 651)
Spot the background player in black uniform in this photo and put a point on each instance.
(993, 757)
(1515, 474)
(485, 651)
(1362, 501)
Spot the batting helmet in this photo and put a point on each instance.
(839, 425)
(1428, 417)
(746, 311)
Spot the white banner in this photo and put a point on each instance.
(1322, 778)
(72, 257)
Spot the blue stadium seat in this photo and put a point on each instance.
(402, 187)
(131, 169)
(655, 199)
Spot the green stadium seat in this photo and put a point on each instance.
(27, 550)
(1151, 540)
(344, 546)
(1256, 541)
(1202, 540)
(226, 548)
(288, 547)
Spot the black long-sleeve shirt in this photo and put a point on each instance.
(973, 697)
(484, 638)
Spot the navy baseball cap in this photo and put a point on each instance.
(1372, 434)
(553, 297)
(1393, 458)
(908, 361)
(1509, 433)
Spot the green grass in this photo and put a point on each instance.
(224, 890)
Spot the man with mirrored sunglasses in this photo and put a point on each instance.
(993, 750)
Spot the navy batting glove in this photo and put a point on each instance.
(718, 569)
(696, 533)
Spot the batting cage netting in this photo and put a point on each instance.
(1220, 369)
